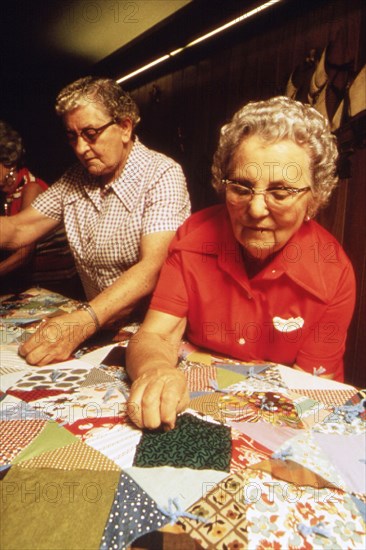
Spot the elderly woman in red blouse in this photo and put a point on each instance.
(18, 188)
(254, 278)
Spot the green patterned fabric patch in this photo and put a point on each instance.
(194, 443)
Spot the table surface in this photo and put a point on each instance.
(264, 457)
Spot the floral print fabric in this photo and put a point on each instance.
(251, 510)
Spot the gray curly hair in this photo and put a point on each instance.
(105, 91)
(11, 145)
(276, 119)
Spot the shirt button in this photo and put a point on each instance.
(273, 271)
(250, 296)
(241, 341)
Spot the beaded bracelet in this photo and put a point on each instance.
(87, 307)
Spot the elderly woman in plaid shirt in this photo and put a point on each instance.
(121, 205)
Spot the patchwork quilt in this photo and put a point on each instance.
(264, 457)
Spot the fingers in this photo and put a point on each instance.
(38, 351)
(155, 400)
(144, 403)
(173, 400)
(51, 342)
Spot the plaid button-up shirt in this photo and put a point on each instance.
(104, 229)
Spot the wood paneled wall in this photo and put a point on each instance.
(182, 112)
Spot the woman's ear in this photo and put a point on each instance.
(311, 210)
(126, 128)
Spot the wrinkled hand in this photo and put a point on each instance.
(156, 398)
(56, 338)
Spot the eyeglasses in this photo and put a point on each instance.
(89, 134)
(279, 197)
(10, 177)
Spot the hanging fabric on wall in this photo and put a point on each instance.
(324, 82)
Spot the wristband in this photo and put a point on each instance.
(87, 307)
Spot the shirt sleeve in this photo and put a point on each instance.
(170, 295)
(167, 203)
(49, 202)
(324, 346)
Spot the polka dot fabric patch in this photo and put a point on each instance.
(132, 515)
(96, 376)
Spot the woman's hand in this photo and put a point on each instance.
(157, 396)
(56, 338)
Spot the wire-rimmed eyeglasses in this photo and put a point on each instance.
(90, 135)
(278, 197)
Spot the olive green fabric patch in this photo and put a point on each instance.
(44, 509)
(53, 436)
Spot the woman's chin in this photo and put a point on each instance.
(94, 169)
(259, 250)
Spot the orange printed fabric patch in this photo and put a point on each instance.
(271, 407)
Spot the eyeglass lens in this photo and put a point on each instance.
(88, 134)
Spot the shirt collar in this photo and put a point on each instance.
(297, 260)
(214, 237)
(125, 186)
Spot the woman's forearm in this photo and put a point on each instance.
(148, 351)
(21, 257)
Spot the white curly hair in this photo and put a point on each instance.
(104, 91)
(274, 120)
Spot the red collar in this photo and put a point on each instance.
(211, 235)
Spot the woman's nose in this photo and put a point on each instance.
(257, 206)
(81, 145)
